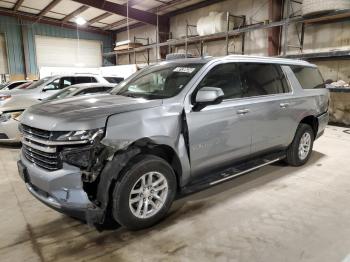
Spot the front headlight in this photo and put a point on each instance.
(4, 117)
(81, 135)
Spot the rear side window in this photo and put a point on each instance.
(308, 77)
(262, 79)
(84, 79)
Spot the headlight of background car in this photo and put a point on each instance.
(4, 117)
(81, 135)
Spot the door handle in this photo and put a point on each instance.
(243, 111)
(284, 105)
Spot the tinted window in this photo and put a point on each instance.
(84, 79)
(53, 85)
(114, 80)
(262, 79)
(226, 77)
(13, 85)
(308, 77)
(66, 81)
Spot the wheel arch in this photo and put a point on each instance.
(312, 121)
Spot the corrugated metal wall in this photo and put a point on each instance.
(10, 27)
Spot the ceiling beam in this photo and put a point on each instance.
(75, 13)
(135, 14)
(130, 3)
(98, 18)
(48, 8)
(49, 21)
(18, 5)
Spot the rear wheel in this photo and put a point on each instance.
(145, 192)
(300, 150)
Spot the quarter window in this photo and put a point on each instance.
(226, 77)
(308, 77)
(262, 79)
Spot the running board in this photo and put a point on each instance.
(232, 172)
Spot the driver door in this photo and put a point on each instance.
(220, 134)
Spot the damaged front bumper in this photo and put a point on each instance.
(62, 190)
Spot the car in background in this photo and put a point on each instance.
(14, 102)
(25, 85)
(113, 79)
(13, 84)
(80, 89)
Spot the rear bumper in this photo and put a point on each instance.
(61, 190)
(322, 123)
(9, 131)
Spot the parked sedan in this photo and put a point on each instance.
(80, 89)
(10, 118)
(11, 85)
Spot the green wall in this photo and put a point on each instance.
(11, 28)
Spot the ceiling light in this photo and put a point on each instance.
(80, 20)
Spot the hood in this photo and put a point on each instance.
(15, 92)
(81, 113)
(20, 102)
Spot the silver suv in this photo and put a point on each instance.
(171, 129)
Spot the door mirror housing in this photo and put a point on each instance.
(208, 96)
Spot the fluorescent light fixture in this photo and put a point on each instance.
(80, 20)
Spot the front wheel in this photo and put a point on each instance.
(300, 150)
(145, 192)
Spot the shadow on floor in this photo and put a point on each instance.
(182, 209)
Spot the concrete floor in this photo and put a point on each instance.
(277, 213)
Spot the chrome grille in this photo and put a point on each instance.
(49, 161)
(37, 151)
(35, 132)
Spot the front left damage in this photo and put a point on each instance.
(160, 131)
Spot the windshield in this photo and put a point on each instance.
(38, 83)
(62, 94)
(2, 85)
(113, 80)
(161, 81)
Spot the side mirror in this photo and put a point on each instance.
(208, 96)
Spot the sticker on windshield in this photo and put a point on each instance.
(187, 70)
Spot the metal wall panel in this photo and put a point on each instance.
(10, 27)
(3, 55)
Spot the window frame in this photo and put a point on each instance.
(192, 94)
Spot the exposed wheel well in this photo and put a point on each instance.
(162, 151)
(311, 121)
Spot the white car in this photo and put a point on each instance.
(14, 102)
(13, 84)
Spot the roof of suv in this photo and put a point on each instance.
(243, 58)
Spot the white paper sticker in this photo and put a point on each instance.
(187, 70)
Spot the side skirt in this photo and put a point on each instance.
(231, 172)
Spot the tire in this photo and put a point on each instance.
(126, 209)
(294, 156)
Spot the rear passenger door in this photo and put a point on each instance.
(271, 102)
